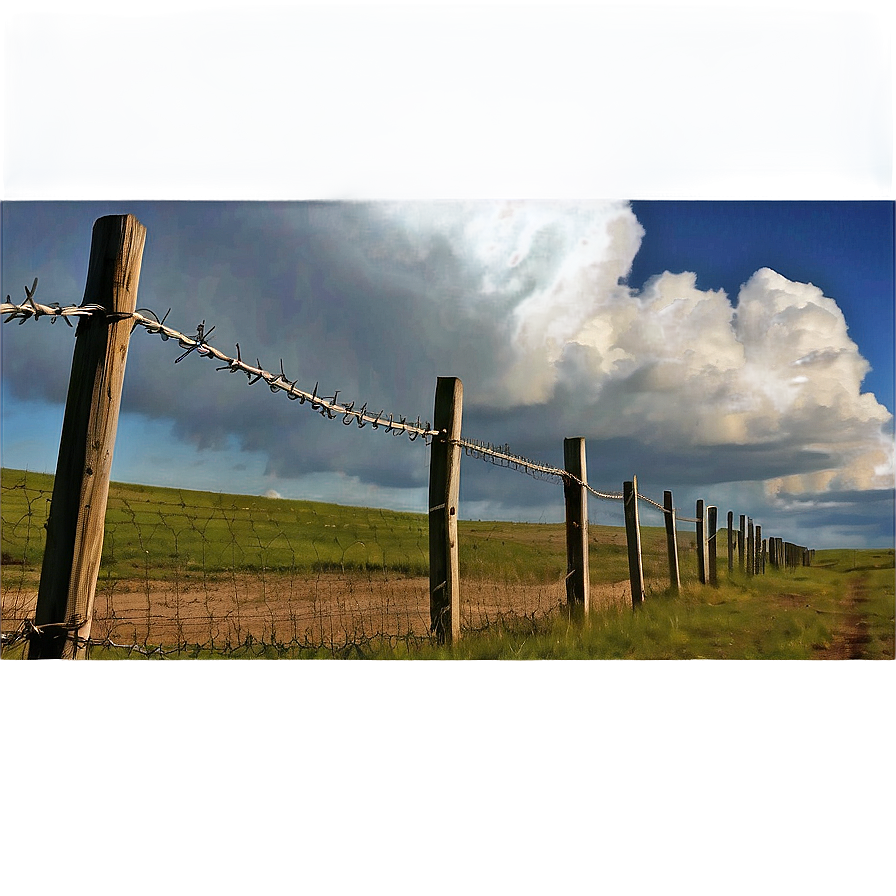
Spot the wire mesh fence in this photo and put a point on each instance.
(186, 571)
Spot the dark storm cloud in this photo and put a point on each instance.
(525, 302)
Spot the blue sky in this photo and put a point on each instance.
(682, 339)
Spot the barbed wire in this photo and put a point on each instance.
(502, 457)
(647, 500)
(328, 406)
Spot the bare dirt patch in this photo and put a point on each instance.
(317, 609)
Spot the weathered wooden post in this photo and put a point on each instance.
(701, 543)
(633, 538)
(740, 543)
(757, 569)
(75, 527)
(712, 519)
(671, 542)
(730, 541)
(779, 553)
(751, 550)
(444, 488)
(578, 583)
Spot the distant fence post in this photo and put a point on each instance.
(76, 523)
(758, 541)
(740, 543)
(575, 494)
(701, 543)
(751, 550)
(712, 519)
(633, 538)
(730, 540)
(671, 542)
(444, 487)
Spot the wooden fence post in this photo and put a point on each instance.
(712, 519)
(633, 538)
(701, 543)
(751, 550)
(758, 542)
(730, 541)
(671, 542)
(578, 583)
(740, 542)
(444, 488)
(76, 523)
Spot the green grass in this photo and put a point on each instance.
(156, 534)
(161, 533)
(781, 615)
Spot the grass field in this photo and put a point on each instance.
(199, 568)
(162, 533)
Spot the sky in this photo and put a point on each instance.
(694, 273)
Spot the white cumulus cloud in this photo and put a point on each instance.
(669, 364)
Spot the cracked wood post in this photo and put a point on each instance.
(740, 543)
(701, 543)
(671, 542)
(578, 584)
(76, 523)
(712, 520)
(444, 486)
(633, 539)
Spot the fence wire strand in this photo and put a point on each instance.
(327, 406)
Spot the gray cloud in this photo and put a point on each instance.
(526, 302)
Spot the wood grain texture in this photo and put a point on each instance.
(75, 526)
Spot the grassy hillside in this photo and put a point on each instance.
(152, 532)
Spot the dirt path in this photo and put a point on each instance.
(851, 636)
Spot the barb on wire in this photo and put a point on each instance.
(329, 407)
(502, 457)
(31, 309)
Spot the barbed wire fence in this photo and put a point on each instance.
(296, 605)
